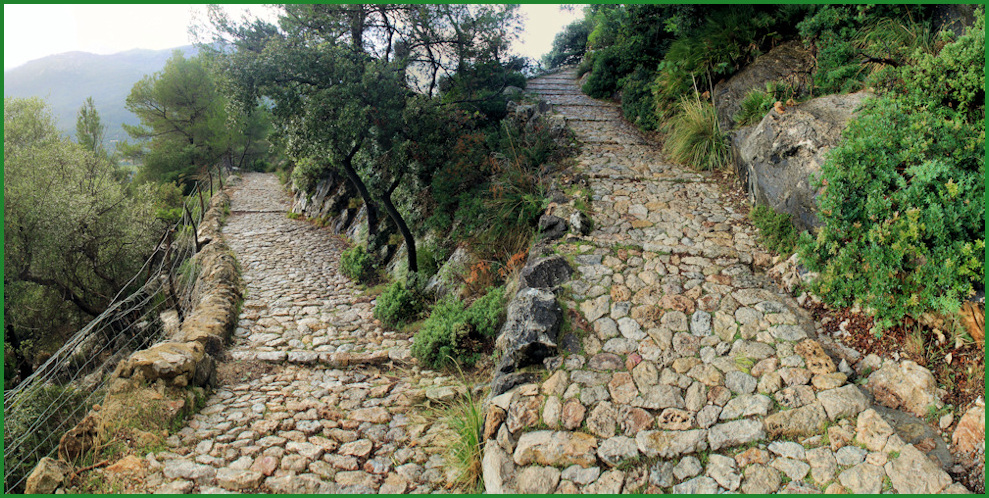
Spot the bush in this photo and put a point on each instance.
(400, 303)
(903, 206)
(453, 332)
(356, 264)
(757, 102)
(695, 139)
(637, 100)
(776, 230)
(603, 81)
(33, 427)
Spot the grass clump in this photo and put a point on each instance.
(467, 421)
(695, 139)
(776, 230)
(454, 333)
(356, 264)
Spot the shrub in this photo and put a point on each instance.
(637, 100)
(453, 332)
(356, 264)
(903, 206)
(603, 81)
(400, 303)
(32, 429)
(776, 230)
(903, 212)
(757, 102)
(488, 312)
(695, 139)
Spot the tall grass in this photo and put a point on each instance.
(467, 421)
(694, 138)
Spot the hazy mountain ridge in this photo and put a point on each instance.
(65, 80)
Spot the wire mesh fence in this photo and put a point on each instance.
(47, 404)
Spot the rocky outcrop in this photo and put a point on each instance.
(790, 63)
(779, 155)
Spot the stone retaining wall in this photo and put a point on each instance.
(187, 358)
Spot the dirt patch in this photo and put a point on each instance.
(232, 372)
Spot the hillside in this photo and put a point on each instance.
(65, 80)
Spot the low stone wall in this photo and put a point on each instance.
(188, 358)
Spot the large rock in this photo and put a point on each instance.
(970, 435)
(47, 476)
(779, 155)
(788, 63)
(530, 331)
(913, 473)
(545, 273)
(904, 385)
(180, 364)
(559, 448)
(445, 281)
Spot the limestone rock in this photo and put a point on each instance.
(846, 401)
(47, 476)
(530, 330)
(781, 153)
(906, 385)
(545, 273)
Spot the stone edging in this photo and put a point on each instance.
(187, 358)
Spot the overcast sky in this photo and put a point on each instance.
(34, 31)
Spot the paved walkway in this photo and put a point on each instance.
(696, 376)
(318, 398)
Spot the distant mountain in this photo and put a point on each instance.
(65, 80)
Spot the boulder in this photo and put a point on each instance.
(906, 384)
(545, 273)
(779, 155)
(580, 223)
(789, 62)
(970, 434)
(531, 328)
(47, 476)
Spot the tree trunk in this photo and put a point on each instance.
(410, 241)
(24, 367)
(372, 211)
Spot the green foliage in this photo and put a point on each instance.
(954, 77)
(757, 102)
(857, 44)
(903, 207)
(605, 74)
(466, 418)
(453, 331)
(43, 414)
(488, 312)
(903, 212)
(479, 88)
(73, 234)
(637, 99)
(695, 139)
(569, 45)
(776, 230)
(183, 121)
(356, 264)
(400, 303)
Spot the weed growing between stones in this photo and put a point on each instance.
(294, 216)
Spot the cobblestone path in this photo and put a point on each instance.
(316, 398)
(696, 375)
